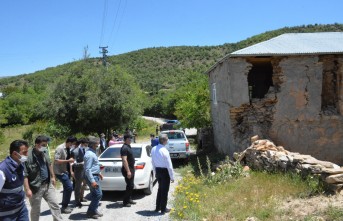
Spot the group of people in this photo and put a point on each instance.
(76, 159)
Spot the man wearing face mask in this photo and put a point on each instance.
(39, 180)
(12, 196)
(61, 171)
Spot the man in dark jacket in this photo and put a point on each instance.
(12, 196)
(39, 180)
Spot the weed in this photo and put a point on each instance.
(334, 214)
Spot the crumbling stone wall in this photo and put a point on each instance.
(232, 91)
(299, 122)
(296, 111)
(263, 154)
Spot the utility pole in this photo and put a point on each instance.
(103, 52)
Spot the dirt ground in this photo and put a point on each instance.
(299, 209)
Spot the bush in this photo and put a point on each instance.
(224, 172)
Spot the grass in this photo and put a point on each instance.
(10, 134)
(257, 195)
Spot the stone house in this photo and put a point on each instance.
(288, 89)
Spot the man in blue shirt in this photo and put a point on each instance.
(154, 141)
(93, 177)
(12, 196)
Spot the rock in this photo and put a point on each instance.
(246, 168)
(251, 219)
(337, 178)
(254, 138)
(313, 160)
(332, 170)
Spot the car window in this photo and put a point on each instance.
(175, 135)
(148, 150)
(115, 153)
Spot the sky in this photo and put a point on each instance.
(37, 34)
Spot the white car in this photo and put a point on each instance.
(111, 164)
(178, 145)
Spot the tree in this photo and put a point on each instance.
(193, 104)
(92, 99)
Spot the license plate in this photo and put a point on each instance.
(174, 154)
(112, 169)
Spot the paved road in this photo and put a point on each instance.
(188, 131)
(111, 207)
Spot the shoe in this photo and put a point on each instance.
(157, 210)
(83, 200)
(66, 210)
(165, 211)
(127, 205)
(132, 202)
(98, 213)
(92, 215)
(78, 205)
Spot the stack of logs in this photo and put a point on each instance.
(265, 155)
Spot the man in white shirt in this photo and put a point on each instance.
(163, 168)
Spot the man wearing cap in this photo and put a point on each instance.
(12, 196)
(128, 169)
(93, 177)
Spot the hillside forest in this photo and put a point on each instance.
(86, 97)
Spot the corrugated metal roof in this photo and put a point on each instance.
(295, 44)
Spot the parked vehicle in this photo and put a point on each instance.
(170, 125)
(111, 164)
(178, 145)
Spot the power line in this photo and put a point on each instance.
(115, 19)
(104, 15)
(120, 20)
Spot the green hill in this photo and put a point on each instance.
(156, 70)
(166, 66)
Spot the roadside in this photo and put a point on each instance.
(111, 206)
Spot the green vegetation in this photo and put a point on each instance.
(231, 193)
(166, 82)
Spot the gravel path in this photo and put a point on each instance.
(111, 206)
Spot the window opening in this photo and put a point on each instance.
(329, 86)
(260, 77)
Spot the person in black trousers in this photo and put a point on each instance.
(163, 168)
(128, 170)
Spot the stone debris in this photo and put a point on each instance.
(263, 154)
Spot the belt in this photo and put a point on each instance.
(95, 174)
(161, 168)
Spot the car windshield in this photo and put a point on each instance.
(115, 153)
(175, 135)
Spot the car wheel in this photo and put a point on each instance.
(148, 191)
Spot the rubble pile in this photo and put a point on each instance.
(263, 154)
